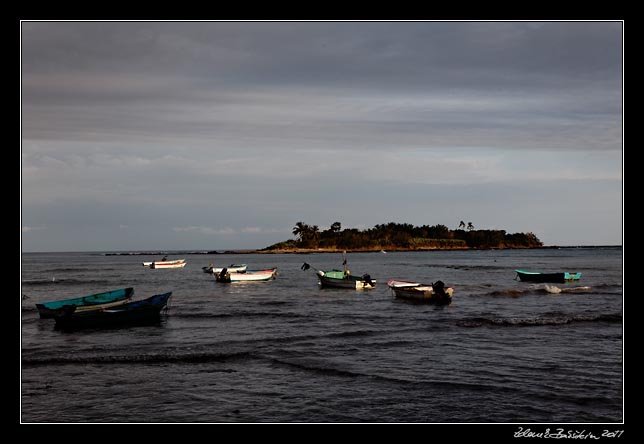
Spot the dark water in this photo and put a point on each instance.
(287, 351)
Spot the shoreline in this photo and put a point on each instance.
(388, 250)
(337, 250)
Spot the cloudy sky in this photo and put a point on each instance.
(222, 135)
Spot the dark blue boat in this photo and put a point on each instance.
(143, 312)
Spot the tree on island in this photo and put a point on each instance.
(307, 234)
(404, 236)
(300, 229)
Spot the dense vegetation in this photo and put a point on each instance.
(393, 236)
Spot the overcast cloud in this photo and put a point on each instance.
(218, 135)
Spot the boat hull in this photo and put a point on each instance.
(48, 310)
(143, 312)
(248, 276)
(180, 263)
(556, 278)
(423, 294)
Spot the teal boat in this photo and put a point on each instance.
(52, 308)
(559, 278)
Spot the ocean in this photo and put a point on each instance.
(287, 351)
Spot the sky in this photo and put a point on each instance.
(223, 135)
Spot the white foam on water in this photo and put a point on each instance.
(552, 289)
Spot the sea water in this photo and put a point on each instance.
(286, 350)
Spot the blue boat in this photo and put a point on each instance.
(142, 312)
(52, 308)
(558, 278)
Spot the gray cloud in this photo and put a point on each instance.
(175, 114)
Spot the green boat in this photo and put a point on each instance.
(558, 278)
(53, 308)
(342, 278)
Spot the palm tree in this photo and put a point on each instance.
(300, 230)
(336, 227)
(461, 225)
(314, 232)
(470, 226)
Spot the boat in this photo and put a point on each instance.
(51, 308)
(559, 278)
(249, 276)
(179, 263)
(233, 268)
(435, 293)
(142, 312)
(342, 278)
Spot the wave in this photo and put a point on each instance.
(550, 289)
(71, 269)
(557, 319)
(179, 314)
(323, 368)
(511, 292)
(553, 289)
(71, 281)
(162, 358)
(475, 267)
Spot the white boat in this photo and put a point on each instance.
(435, 293)
(233, 268)
(248, 276)
(179, 263)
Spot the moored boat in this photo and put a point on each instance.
(233, 268)
(179, 263)
(142, 312)
(51, 308)
(435, 293)
(342, 278)
(558, 278)
(249, 276)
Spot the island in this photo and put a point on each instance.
(394, 236)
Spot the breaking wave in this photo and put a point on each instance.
(539, 321)
(161, 358)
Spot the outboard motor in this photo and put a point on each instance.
(439, 290)
(368, 280)
(222, 274)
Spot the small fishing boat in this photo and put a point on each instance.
(179, 263)
(233, 268)
(342, 278)
(142, 312)
(249, 276)
(51, 308)
(415, 291)
(558, 278)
